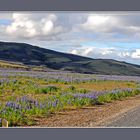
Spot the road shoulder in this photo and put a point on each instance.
(96, 116)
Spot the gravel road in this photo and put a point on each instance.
(128, 119)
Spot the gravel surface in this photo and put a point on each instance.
(128, 119)
(97, 116)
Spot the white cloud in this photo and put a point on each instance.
(107, 53)
(74, 52)
(28, 26)
(87, 51)
(52, 25)
(124, 54)
(94, 52)
(48, 27)
(106, 26)
(132, 56)
(100, 23)
(136, 54)
(25, 28)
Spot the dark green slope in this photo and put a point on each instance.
(33, 55)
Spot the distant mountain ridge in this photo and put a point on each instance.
(34, 55)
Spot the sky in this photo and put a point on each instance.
(107, 35)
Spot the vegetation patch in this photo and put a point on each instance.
(26, 95)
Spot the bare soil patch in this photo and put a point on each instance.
(95, 116)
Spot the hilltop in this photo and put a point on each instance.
(29, 55)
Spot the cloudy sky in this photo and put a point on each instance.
(111, 35)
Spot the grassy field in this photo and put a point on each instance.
(27, 95)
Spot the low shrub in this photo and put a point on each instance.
(83, 91)
(49, 89)
(106, 98)
(71, 89)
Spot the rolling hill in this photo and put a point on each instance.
(30, 55)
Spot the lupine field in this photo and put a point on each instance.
(27, 95)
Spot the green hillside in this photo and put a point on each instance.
(35, 56)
